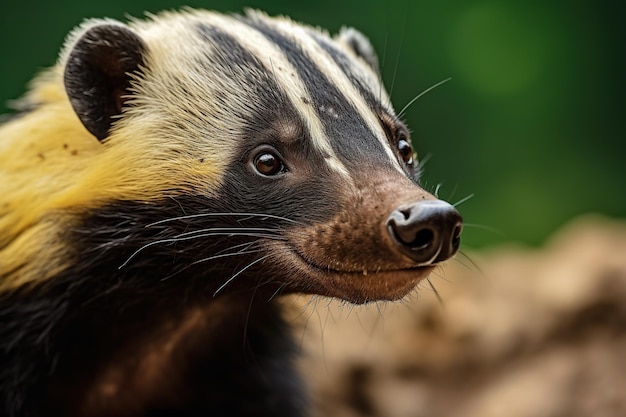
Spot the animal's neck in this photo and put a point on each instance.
(126, 354)
(149, 357)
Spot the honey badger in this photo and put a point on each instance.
(166, 181)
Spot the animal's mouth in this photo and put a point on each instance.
(357, 285)
(364, 254)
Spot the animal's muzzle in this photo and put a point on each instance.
(427, 231)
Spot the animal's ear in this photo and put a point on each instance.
(97, 73)
(360, 45)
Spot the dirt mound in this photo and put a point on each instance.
(526, 333)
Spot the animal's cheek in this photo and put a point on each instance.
(356, 238)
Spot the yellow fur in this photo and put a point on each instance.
(51, 167)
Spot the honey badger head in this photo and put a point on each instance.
(263, 155)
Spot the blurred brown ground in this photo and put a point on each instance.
(526, 333)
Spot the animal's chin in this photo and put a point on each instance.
(360, 288)
(357, 287)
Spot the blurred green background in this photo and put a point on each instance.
(530, 124)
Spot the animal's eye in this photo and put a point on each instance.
(406, 151)
(268, 164)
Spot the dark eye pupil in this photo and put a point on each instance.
(268, 164)
(406, 151)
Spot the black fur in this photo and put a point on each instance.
(268, 95)
(52, 335)
(96, 74)
(345, 64)
(244, 369)
(350, 137)
(137, 266)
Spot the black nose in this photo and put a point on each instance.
(427, 231)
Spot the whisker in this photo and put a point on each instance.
(232, 278)
(181, 239)
(437, 188)
(380, 312)
(224, 255)
(382, 68)
(419, 169)
(453, 191)
(463, 263)
(440, 273)
(312, 300)
(463, 200)
(280, 288)
(422, 161)
(429, 89)
(179, 205)
(436, 293)
(485, 227)
(249, 215)
(395, 70)
(312, 304)
(322, 325)
(303, 318)
(245, 327)
(221, 254)
(246, 244)
(473, 263)
(225, 229)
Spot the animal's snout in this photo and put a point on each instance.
(427, 231)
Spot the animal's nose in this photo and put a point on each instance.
(426, 231)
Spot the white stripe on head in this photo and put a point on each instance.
(274, 60)
(326, 65)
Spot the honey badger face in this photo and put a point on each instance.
(311, 173)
